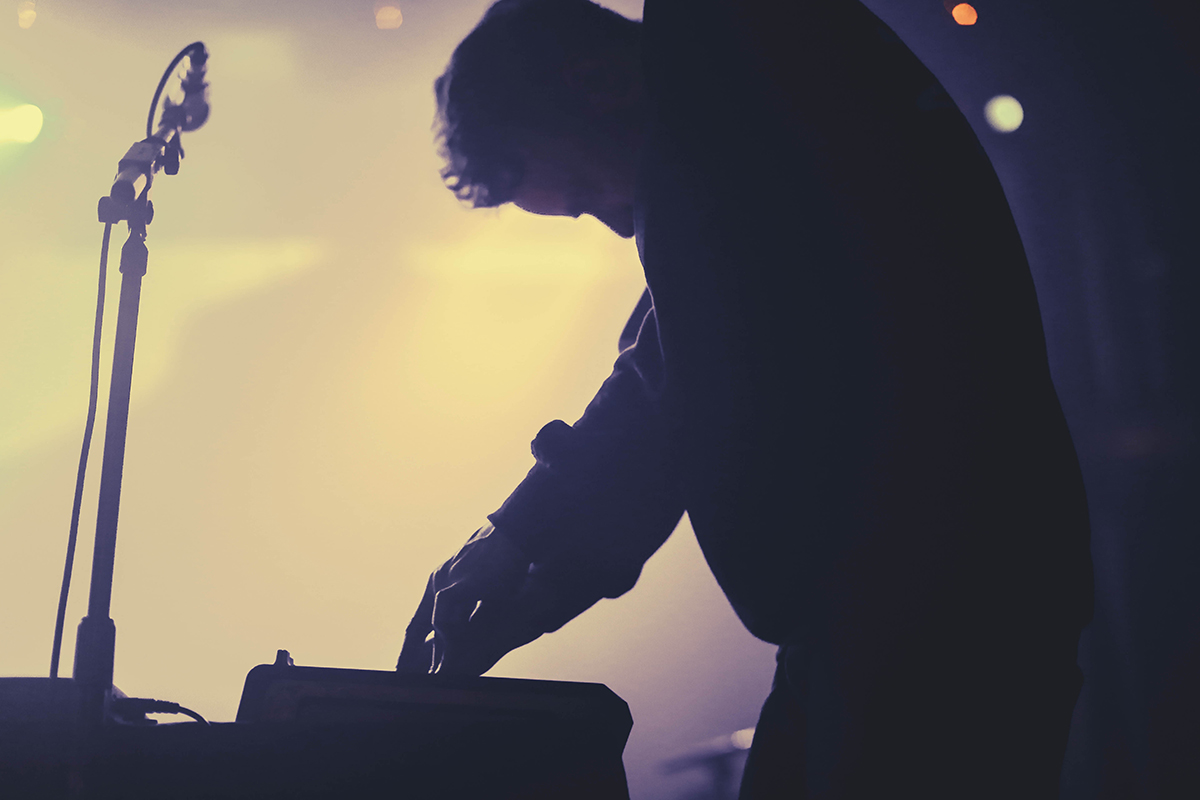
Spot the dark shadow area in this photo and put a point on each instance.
(1101, 178)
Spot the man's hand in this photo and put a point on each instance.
(478, 606)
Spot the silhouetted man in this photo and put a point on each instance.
(838, 371)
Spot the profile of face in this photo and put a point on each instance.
(572, 177)
(593, 171)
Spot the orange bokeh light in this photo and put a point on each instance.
(965, 14)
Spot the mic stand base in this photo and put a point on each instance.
(95, 651)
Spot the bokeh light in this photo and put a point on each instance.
(26, 15)
(1004, 113)
(964, 14)
(742, 739)
(21, 124)
(387, 17)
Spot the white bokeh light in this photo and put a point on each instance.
(1004, 113)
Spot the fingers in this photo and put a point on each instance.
(473, 636)
(416, 655)
(453, 606)
(452, 633)
(471, 607)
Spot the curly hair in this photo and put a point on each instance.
(505, 81)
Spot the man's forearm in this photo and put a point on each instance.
(603, 495)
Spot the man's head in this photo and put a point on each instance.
(542, 106)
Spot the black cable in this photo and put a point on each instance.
(187, 712)
(93, 398)
(136, 708)
(166, 76)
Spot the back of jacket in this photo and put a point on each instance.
(850, 336)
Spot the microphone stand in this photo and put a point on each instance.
(95, 643)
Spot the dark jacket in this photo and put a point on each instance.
(843, 376)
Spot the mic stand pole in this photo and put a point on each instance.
(96, 637)
(95, 642)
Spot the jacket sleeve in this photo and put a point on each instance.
(603, 495)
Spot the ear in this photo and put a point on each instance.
(606, 85)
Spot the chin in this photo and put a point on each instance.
(621, 224)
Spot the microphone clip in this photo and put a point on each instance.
(160, 150)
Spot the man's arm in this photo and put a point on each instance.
(601, 499)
